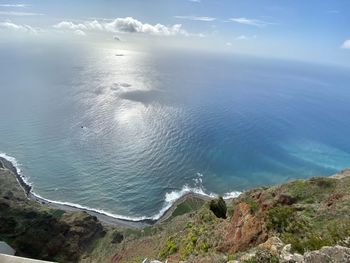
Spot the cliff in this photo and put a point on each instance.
(36, 231)
(283, 223)
(299, 221)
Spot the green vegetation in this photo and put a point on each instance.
(191, 204)
(307, 214)
(254, 206)
(263, 256)
(309, 224)
(218, 207)
(58, 213)
(37, 231)
(312, 239)
(280, 218)
(194, 243)
(169, 248)
(309, 191)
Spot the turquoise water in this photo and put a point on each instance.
(130, 134)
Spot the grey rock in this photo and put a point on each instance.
(287, 257)
(336, 254)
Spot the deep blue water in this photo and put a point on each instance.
(118, 133)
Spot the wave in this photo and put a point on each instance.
(170, 197)
(16, 164)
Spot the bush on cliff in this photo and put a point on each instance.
(169, 248)
(218, 207)
(279, 218)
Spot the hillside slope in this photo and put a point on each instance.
(36, 231)
(282, 223)
(307, 214)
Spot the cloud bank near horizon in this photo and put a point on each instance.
(123, 25)
(8, 25)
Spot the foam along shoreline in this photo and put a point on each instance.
(172, 199)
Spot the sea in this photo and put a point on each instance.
(128, 132)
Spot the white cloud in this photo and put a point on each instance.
(250, 22)
(8, 25)
(79, 32)
(94, 25)
(229, 44)
(197, 18)
(195, 1)
(244, 37)
(11, 13)
(346, 44)
(124, 25)
(70, 25)
(14, 5)
(131, 25)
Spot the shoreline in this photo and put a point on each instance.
(102, 216)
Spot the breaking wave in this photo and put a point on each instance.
(170, 197)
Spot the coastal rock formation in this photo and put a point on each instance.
(245, 229)
(283, 223)
(38, 232)
(302, 221)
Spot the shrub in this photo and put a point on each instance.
(203, 246)
(58, 213)
(188, 244)
(254, 206)
(279, 218)
(265, 256)
(323, 182)
(169, 248)
(309, 239)
(117, 237)
(218, 207)
(314, 190)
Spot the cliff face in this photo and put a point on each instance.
(302, 215)
(299, 221)
(38, 232)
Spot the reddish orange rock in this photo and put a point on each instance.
(245, 230)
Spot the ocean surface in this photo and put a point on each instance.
(129, 132)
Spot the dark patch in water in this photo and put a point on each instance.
(144, 96)
(99, 90)
(117, 86)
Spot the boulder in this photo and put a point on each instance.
(273, 244)
(336, 254)
(287, 257)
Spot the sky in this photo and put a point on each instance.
(312, 30)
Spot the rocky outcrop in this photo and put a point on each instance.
(286, 256)
(274, 250)
(245, 230)
(36, 231)
(302, 221)
(336, 254)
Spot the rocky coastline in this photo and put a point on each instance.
(104, 218)
(303, 221)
